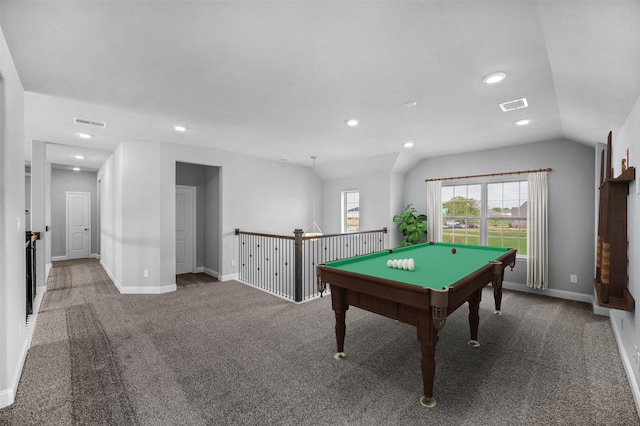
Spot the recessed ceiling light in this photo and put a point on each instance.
(84, 135)
(410, 104)
(76, 169)
(180, 128)
(352, 122)
(408, 144)
(494, 78)
(523, 122)
(80, 157)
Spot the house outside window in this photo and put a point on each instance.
(350, 211)
(486, 213)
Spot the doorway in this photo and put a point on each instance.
(206, 181)
(78, 225)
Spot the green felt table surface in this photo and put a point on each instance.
(436, 267)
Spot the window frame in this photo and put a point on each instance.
(345, 208)
(484, 182)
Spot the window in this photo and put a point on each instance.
(350, 211)
(507, 215)
(488, 213)
(461, 213)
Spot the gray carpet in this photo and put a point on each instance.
(217, 353)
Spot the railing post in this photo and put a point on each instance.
(28, 272)
(298, 265)
(34, 272)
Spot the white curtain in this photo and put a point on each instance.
(537, 243)
(434, 211)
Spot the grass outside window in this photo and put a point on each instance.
(497, 237)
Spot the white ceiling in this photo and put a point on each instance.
(278, 79)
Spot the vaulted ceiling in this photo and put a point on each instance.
(278, 79)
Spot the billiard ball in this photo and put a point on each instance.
(453, 250)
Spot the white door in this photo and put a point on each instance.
(185, 229)
(78, 225)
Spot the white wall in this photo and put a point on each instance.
(571, 198)
(111, 237)
(396, 206)
(212, 241)
(375, 198)
(130, 227)
(141, 193)
(13, 341)
(255, 195)
(40, 178)
(627, 324)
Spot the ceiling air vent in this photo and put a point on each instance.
(89, 122)
(511, 105)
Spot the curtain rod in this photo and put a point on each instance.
(490, 174)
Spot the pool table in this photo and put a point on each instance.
(442, 281)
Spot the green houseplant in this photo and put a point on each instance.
(411, 225)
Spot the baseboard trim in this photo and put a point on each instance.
(138, 290)
(599, 310)
(111, 276)
(199, 270)
(626, 362)
(229, 277)
(8, 396)
(57, 258)
(211, 272)
(560, 294)
(148, 290)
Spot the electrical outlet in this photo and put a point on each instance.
(635, 353)
(233, 262)
(573, 278)
(146, 273)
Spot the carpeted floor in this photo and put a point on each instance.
(223, 353)
(194, 279)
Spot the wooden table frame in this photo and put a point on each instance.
(421, 307)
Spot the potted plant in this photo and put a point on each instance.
(411, 225)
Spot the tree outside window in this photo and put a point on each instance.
(491, 213)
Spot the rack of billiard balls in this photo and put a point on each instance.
(407, 264)
(404, 264)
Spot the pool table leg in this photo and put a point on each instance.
(497, 285)
(497, 296)
(340, 310)
(474, 317)
(428, 337)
